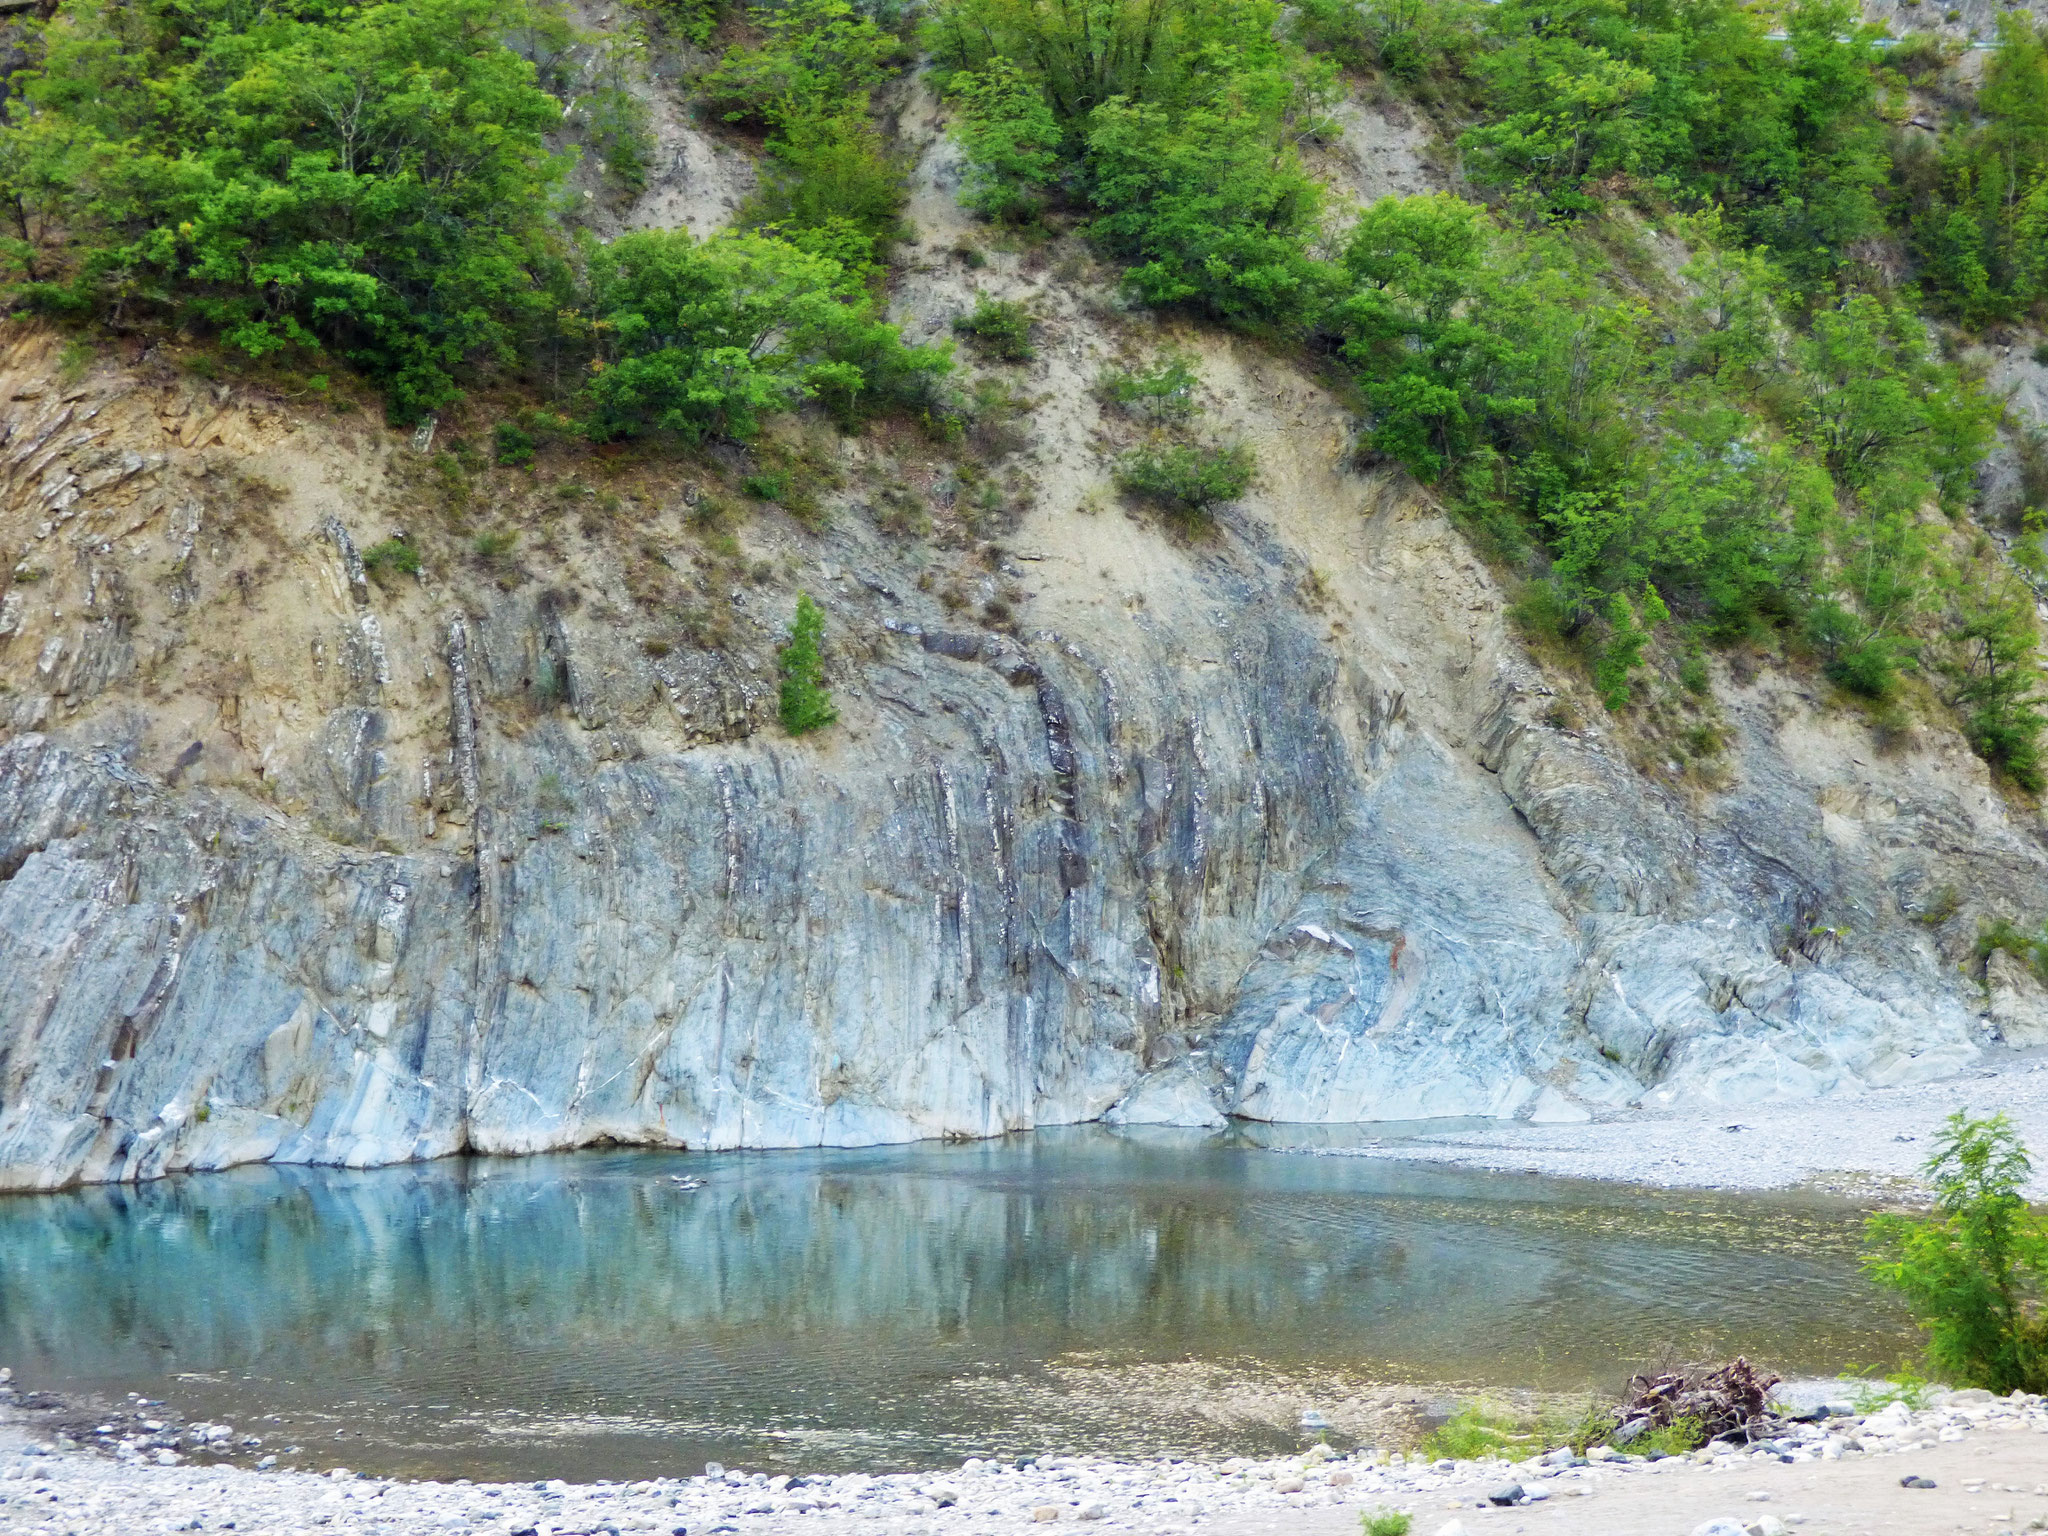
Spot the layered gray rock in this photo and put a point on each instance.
(1279, 824)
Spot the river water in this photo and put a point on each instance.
(588, 1315)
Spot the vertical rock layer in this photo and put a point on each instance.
(301, 865)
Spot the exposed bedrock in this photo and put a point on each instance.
(1207, 868)
(1282, 824)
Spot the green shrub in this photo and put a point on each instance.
(694, 19)
(494, 545)
(1864, 662)
(1628, 631)
(1537, 610)
(1166, 390)
(706, 338)
(396, 556)
(1975, 1269)
(510, 446)
(805, 705)
(2029, 948)
(1385, 1522)
(1869, 668)
(621, 130)
(1185, 479)
(999, 328)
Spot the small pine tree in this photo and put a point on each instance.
(805, 704)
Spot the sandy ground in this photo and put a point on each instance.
(1990, 1481)
(1862, 1145)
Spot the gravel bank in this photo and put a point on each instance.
(74, 1491)
(1860, 1145)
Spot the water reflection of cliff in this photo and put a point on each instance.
(848, 1289)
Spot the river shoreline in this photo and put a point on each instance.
(1867, 1146)
(57, 1485)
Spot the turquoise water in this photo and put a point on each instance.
(586, 1315)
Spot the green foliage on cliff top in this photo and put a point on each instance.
(379, 182)
(372, 180)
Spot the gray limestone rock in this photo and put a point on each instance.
(2019, 1003)
(486, 865)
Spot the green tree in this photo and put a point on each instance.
(1210, 206)
(1408, 39)
(832, 188)
(1409, 266)
(1169, 54)
(1998, 680)
(1174, 120)
(1011, 137)
(1881, 411)
(1973, 1270)
(1976, 222)
(814, 56)
(707, 337)
(805, 704)
(373, 179)
(1573, 112)
(1733, 303)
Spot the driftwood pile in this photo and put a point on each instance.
(1728, 1402)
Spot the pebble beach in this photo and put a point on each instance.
(178, 1476)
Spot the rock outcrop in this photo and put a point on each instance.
(302, 859)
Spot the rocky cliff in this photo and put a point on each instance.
(301, 861)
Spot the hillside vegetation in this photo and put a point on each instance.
(1687, 351)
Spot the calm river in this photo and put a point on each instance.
(587, 1315)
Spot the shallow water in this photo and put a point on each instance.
(586, 1316)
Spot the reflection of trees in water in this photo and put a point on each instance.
(596, 1275)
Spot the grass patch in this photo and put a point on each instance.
(1476, 1431)
(1906, 1387)
(1677, 1438)
(493, 546)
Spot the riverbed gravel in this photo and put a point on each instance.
(1863, 1145)
(139, 1489)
